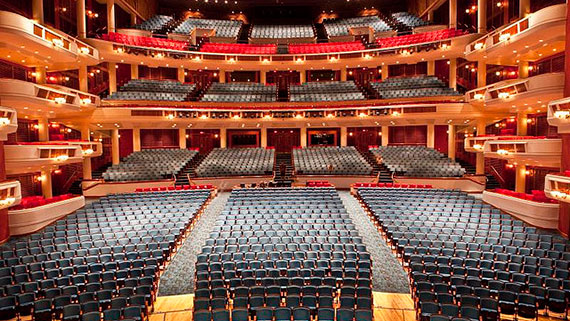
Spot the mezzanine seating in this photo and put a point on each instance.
(326, 91)
(317, 161)
(105, 257)
(282, 31)
(239, 48)
(409, 19)
(341, 27)
(237, 162)
(240, 92)
(280, 253)
(148, 89)
(423, 37)
(417, 161)
(141, 41)
(314, 48)
(222, 28)
(467, 259)
(155, 23)
(535, 195)
(150, 164)
(411, 87)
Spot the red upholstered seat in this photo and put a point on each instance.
(314, 48)
(417, 38)
(239, 48)
(141, 41)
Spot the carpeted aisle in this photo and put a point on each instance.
(387, 273)
(179, 276)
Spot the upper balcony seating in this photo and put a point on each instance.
(302, 246)
(155, 23)
(140, 41)
(410, 87)
(240, 92)
(417, 161)
(282, 31)
(239, 48)
(222, 162)
(312, 48)
(103, 257)
(423, 37)
(223, 28)
(465, 256)
(326, 91)
(148, 89)
(341, 27)
(330, 161)
(35, 201)
(409, 19)
(150, 164)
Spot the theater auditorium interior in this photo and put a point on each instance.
(288, 160)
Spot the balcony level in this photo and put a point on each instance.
(536, 151)
(559, 114)
(519, 94)
(30, 43)
(528, 39)
(476, 144)
(34, 157)
(8, 122)
(35, 100)
(10, 193)
(557, 186)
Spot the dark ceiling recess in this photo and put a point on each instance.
(278, 11)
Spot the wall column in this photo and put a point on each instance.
(38, 11)
(481, 73)
(40, 73)
(452, 13)
(86, 135)
(523, 69)
(134, 71)
(43, 130)
(343, 135)
(4, 222)
(481, 16)
(115, 147)
(303, 136)
(81, 19)
(181, 75)
(47, 191)
(430, 135)
(564, 214)
(522, 125)
(83, 79)
(431, 68)
(136, 139)
(182, 138)
(263, 137)
(453, 73)
(385, 72)
(524, 8)
(263, 77)
(112, 70)
(133, 19)
(222, 76)
(110, 16)
(520, 181)
(302, 76)
(385, 135)
(480, 157)
(343, 74)
(223, 138)
(451, 141)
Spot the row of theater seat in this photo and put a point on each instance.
(318, 184)
(173, 188)
(313, 48)
(35, 201)
(141, 41)
(392, 185)
(466, 258)
(239, 48)
(417, 38)
(535, 196)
